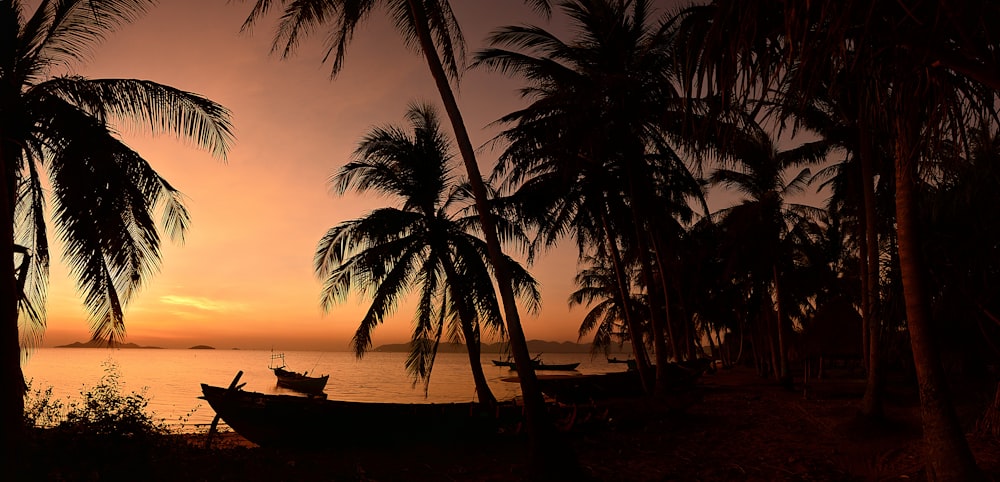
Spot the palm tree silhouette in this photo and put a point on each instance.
(103, 194)
(597, 288)
(423, 245)
(934, 65)
(430, 26)
(596, 139)
(763, 220)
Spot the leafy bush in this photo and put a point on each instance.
(41, 410)
(102, 410)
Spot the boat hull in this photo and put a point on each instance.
(299, 382)
(575, 389)
(539, 366)
(296, 421)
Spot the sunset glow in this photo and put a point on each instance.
(243, 277)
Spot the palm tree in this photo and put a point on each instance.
(763, 220)
(965, 264)
(421, 245)
(430, 26)
(103, 194)
(843, 117)
(600, 118)
(598, 289)
(934, 63)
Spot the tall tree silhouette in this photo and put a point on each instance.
(432, 29)
(103, 194)
(422, 245)
(764, 219)
(935, 63)
(597, 135)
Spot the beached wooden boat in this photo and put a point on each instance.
(300, 382)
(537, 364)
(575, 389)
(301, 421)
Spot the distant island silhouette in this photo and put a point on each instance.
(102, 344)
(202, 347)
(534, 346)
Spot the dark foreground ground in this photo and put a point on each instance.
(735, 426)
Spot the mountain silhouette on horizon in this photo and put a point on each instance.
(102, 344)
(534, 346)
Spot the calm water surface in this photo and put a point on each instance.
(172, 378)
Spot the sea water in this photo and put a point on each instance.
(171, 378)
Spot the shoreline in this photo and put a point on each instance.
(735, 426)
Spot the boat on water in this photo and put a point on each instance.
(300, 382)
(538, 364)
(300, 421)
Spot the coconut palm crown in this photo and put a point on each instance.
(425, 243)
(102, 195)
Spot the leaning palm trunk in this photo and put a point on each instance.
(657, 321)
(634, 330)
(13, 380)
(473, 347)
(665, 288)
(541, 431)
(472, 342)
(948, 455)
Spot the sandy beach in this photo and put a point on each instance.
(735, 426)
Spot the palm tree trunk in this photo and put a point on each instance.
(947, 451)
(739, 353)
(865, 314)
(784, 376)
(715, 354)
(725, 350)
(871, 403)
(656, 320)
(472, 345)
(664, 286)
(546, 453)
(12, 379)
(634, 330)
(772, 335)
(472, 340)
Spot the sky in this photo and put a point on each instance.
(243, 278)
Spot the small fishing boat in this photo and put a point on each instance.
(300, 382)
(298, 421)
(537, 364)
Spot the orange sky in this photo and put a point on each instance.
(244, 276)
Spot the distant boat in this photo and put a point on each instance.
(628, 361)
(297, 421)
(300, 382)
(537, 364)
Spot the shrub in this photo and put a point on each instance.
(41, 410)
(105, 410)
(105, 434)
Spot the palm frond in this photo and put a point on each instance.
(72, 28)
(148, 105)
